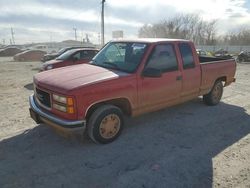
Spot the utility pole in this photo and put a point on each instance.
(102, 24)
(99, 38)
(82, 39)
(87, 38)
(75, 33)
(12, 35)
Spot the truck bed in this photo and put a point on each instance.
(207, 59)
(213, 68)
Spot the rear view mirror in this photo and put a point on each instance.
(151, 72)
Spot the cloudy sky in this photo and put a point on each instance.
(54, 20)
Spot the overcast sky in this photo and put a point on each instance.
(54, 20)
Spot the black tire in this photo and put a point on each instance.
(99, 118)
(241, 60)
(214, 96)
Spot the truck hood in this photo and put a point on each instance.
(68, 78)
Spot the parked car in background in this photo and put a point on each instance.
(243, 57)
(10, 51)
(201, 52)
(221, 53)
(51, 56)
(71, 57)
(30, 55)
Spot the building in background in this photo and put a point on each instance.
(117, 34)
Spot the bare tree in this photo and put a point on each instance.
(210, 32)
(146, 31)
(241, 37)
(189, 26)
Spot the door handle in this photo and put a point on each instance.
(179, 78)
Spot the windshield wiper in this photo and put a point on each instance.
(111, 65)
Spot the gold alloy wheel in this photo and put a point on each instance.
(110, 126)
(216, 93)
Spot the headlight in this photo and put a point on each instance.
(64, 104)
(49, 67)
(60, 107)
(59, 99)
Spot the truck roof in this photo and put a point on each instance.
(150, 40)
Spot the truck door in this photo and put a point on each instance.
(191, 73)
(158, 92)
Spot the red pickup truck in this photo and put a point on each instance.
(127, 77)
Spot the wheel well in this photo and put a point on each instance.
(121, 103)
(223, 79)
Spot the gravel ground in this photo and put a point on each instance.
(189, 145)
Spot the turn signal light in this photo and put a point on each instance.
(70, 101)
(70, 110)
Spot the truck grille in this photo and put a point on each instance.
(43, 97)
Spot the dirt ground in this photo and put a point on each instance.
(189, 145)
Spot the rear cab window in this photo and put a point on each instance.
(186, 55)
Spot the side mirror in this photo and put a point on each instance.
(151, 72)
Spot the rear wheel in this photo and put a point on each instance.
(241, 59)
(105, 124)
(214, 96)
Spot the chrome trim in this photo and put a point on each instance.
(40, 104)
(52, 118)
(38, 101)
(103, 100)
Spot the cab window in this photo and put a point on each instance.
(187, 56)
(163, 58)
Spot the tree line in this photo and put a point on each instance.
(193, 27)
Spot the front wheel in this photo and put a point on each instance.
(214, 96)
(105, 124)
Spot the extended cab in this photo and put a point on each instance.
(127, 77)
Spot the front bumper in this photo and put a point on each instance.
(40, 116)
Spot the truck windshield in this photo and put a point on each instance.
(123, 56)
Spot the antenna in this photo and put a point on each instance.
(102, 24)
